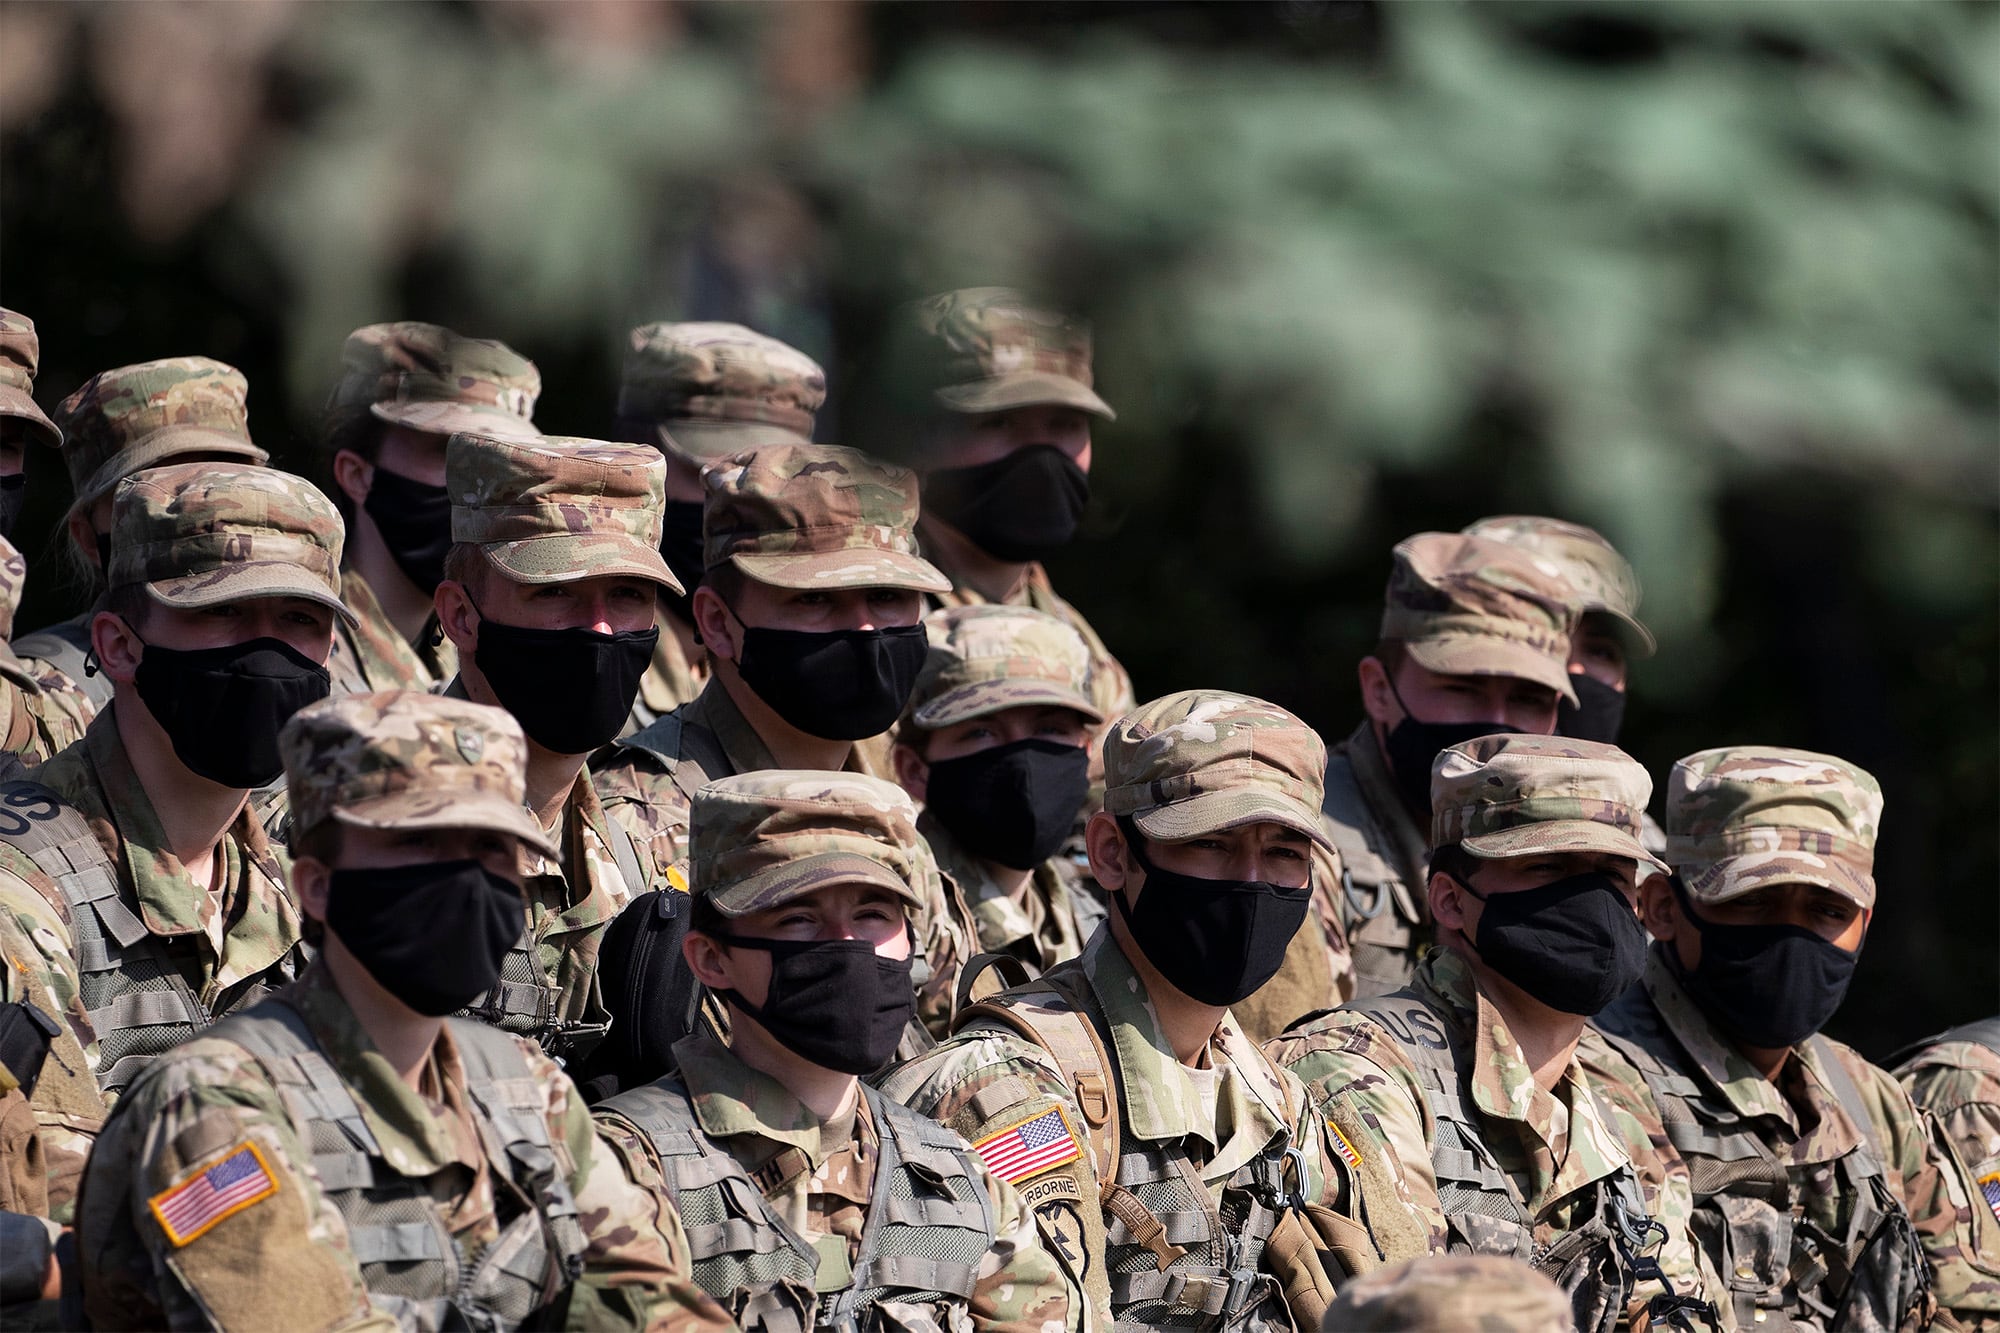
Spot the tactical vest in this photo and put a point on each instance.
(1747, 1216)
(1385, 928)
(66, 647)
(1484, 1211)
(132, 990)
(1174, 1260)
(414, 1268)
(930, 1223)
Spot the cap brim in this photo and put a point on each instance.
(1008, 391)
(21, 407)
(157, 449)
(1638, 640)
(1562, 835)
(1212, 812)
(780, 884)
(863, 567)
(235, 583)
(1734, 876)
(1480, 655)
(587, 555)
(701, 441)
(989, 697)
(448, 418)
(422, 810)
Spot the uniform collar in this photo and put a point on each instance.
(1408, 844)
(593, 886)
(731, 1099)
(1041, 918)
(745, 749)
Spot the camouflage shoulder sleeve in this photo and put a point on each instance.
(67, 1107)
(200, 1206)
(636, 791)
(1018, 1287)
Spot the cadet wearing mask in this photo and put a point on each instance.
(181, 410)
(1169, 1162)
(1817, 1189)
(845, 1211)
(994, 746)
(404, 390)
(22, 421)
(342, 1151)
(39, 713)
(548, 595)
(1470, 1085)
(700, 393)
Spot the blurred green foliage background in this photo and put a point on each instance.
(1718, 278)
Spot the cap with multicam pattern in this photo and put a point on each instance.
(559, 509)
(428, 378)
(993, 349)
(1744, 816)
(1603, 579)
(986, 658)
(200, 534)
(1471, 606)
(13, 579)
(126, 420)
(759, 840)
(711, 390)
(1205, 760)
(815, 516)
(408, 760)
(20, 358)
(1451, 1293)
(1512, 795)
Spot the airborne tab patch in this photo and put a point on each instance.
(225, 1186)
(1039, 1144)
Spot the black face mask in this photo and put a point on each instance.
(1021, 507)
(415, 522)
(13, 491)
(1414, 746)
(103, 556)
(1013, 804)
(1216, 940)
(222, 707)
(432, 935)
(837, 1003)
(1766, 986)
(1597, 714)
(838, 685)
(570, 689)
(1575, 944)
(680, 547)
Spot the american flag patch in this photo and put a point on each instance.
(1031, 1146)
(1990, 1187)
(1343, 1147)
(227, 1185)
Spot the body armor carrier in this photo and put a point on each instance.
(930, 1223)
(1870, 1277)
(1385, 928)
(129, 981)
(415, 1270)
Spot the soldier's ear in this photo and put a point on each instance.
(353, 474)
(457, 616)
(1451, 905)
(1657, 910)
(310, 878)
(1378, 699)
(913, 775)
(713, 623)
(116, 646)
(1110, 862)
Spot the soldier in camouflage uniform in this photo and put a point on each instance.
(1820, 1192)
(1955, 1077)
(181, 410)
(994, 745)
(404, 389)
(22, 421)
(1451, 1293)
(340, 1154)
(700, 393)
(1477, 1085)
(1179, 1175)
(548, 595)
(39, 713)
(813, 1201)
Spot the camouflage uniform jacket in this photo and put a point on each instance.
(67, 1110)
(1955, 1077)
(1046, 926)
(56, 653)
(41, 713)
(1806, 1133)
(1202, 1151)
(1382, 896)
(670, 680)
(217, 950)
(1560, 1150)
(826, 1183)
(372, 655)
(287, 1255)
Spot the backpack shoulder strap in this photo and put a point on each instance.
(625, 854)
(1048, 1015)
(36, 821)
(1846, 1092)
(1012, 972)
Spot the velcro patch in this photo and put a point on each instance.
(1989, 1186)
(220, 1188)
(1037, 1144)
(1343, 1147)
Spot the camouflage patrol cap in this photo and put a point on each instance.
(712, 390)
(815, 516)
(428, 378)
(1513, 795)
(986, 658)
(199, 534)
(1451, 1293)
(405, 759)
(1471, 606)
(1603, 579)
(1205, 760)
(1744, 816)
(758, 840)
(135, 417)
(20, 358)
(559, 509)
(13, 578)
(993, 349)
